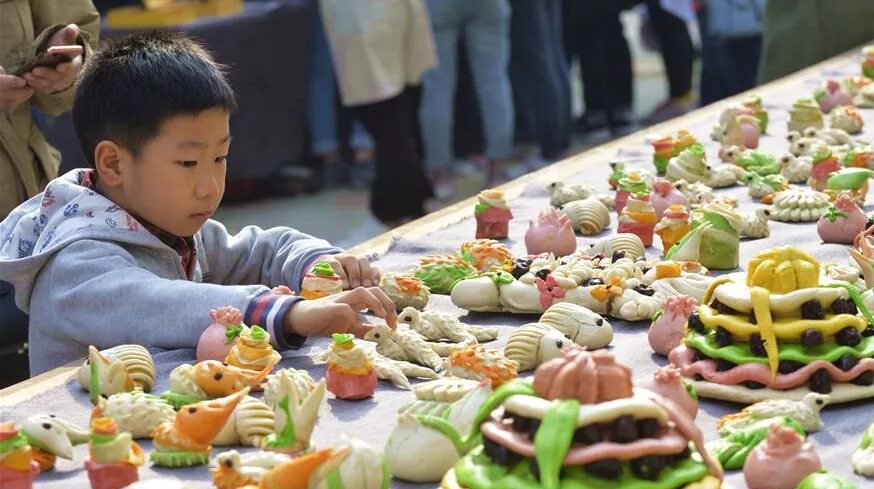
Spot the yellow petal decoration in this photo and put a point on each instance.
(761, 299)
(782, 270)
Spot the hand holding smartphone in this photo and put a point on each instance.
(52, 57)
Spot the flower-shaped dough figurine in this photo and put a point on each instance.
(252, 350)
(217, 340)
(350, 374)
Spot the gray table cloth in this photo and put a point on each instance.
(372, 420)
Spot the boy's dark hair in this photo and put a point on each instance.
(133, 84)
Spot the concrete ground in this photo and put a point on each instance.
(341, 215)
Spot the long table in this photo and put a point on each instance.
(444, 231)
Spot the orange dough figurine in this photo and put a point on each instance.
(252, 350)
(306, 472)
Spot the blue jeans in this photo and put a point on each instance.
(485, 26)
(540, 75)
(322, 101)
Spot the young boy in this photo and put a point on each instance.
(125, 252)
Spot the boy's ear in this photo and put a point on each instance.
(108, 159)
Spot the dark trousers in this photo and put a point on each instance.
(676, 48)
(729, 65)
(13, 338)
(400, 188)
(539, 75)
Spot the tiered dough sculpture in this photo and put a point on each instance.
(350, 374)
(803, 114)
(252, 351)
(492, 215)
(17, 465)
(320, 282)
(114, 456)
(777, 333)
(671, 146)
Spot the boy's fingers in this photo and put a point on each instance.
(350, 263)
(374, 272)
(338, 269)
(366, 272)
(359, 330)
(391, 316)
(360, 299)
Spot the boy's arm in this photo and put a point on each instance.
(48, 17)
(94, 292)
(276, 256)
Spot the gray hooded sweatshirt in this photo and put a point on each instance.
(88, 273)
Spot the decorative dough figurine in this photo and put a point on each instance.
(552, 233)
(590, 216)
(252, 421)
(806, 412)
(753, 161)
(765, 187)
(754, 102)
(863, 457)
(438, 326)
(800, 145)
(667, 382)
(396, 371)
(447, 389)
(796, 170)
(561, 193)
(50, 437)
(847, 118)
(691, 165)
(534, 344)
(405, 290)
(864, 98)
(275, 387)
(186, 441)
(755, 225)
(365, 467)
(114, 456)
(633, 184)
(493, 215)
(823, 479)
(868, 61)
(486, 255)
(350, 373)
(295, 419)
(17, 466)
(741, 129)
(404, 345)
(119, 369)
(673, 226)
(480, 363)
(136, 413)
(799, 205)
(714, 243)
(831, 96)
(732, 449)
(669, 147)
(210, 380)
(233, 470)
(783, 448)
(804, 113)
(579, 325)
(440, 273)
(824, 165)
(627, 243)
(854, 180)
(669, 327)
(638, 218)
(307, 471)
(664, 195)
(320, 282)
(216, 340)
(842, 221)
(252, 351)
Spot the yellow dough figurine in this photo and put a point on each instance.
(252, 351)
(321, 282)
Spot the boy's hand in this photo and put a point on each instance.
(339, 313)
(13, 90)
(353, 271)
(62, 76)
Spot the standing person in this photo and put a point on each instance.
(799, 33)
(380, 50)
(322, 116)
(540, 76)
(731, 44)
(678, 55)
(485, 26)
(27, 161)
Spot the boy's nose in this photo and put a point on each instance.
(207, 187)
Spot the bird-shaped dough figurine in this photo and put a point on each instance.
(408, 346)
(436, 326)
(231, 469)
(50, 437)
(755, 225)
(863, 457)
(796, 169)
(306, 472)
(806, 412)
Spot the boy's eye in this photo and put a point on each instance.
(221, 159)
(188, 163)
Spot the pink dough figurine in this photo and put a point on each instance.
(742, 129)
(831, 95)
(782, 461)
(216, 341)
(843, 221)
(551, 233)
(638, 218)
(825, 164)
(669, 327)
(667, 382)
(492, 215)
(17, 464)
(350, 375)
(664, 195)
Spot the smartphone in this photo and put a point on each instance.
(52, 57)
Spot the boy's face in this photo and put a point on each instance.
(178, 180)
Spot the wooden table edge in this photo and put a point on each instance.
(23, 391)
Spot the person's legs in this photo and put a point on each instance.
(561, 134)
(676, 48)
(605, 61)
(438, 92)
(400, 188)
(487, 38)
(321, 97)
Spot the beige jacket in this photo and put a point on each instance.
(378, 46)
(27, 161)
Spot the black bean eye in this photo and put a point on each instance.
(819, 402)
(224, 364)
(218, 376)
(376, 335)
(52, 416)
(229, 464)
(192, 410)
(46, 426)
(559, 344)
(599, 322)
